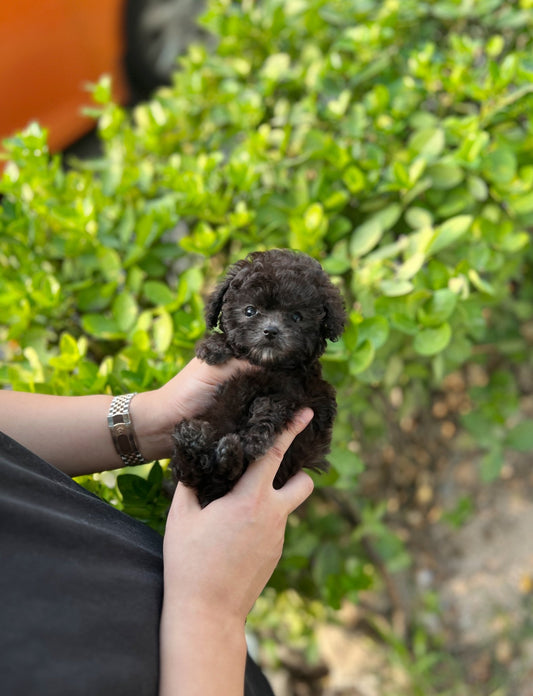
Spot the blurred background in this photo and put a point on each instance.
(50, 51)
(391, 140)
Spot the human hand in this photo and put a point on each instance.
(218, 559)
(216, 562)
(155, 413)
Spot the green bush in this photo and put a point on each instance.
(391, 140)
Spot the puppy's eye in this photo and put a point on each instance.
(296, 316)
(250, 311)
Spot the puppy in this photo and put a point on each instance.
(275, 309)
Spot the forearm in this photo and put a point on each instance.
(71, 432)
(201, 655)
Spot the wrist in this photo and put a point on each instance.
(199, 651)
(153, 435)
(207, 610)
(200, 624)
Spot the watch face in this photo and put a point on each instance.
(122, 437)
(121, 429)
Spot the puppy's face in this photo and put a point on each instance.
(273, 323)
(272, 333)
(277, 308)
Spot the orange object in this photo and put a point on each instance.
(49, 51)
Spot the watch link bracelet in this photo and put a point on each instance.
(122, 432)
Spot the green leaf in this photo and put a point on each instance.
(418, 217)
(520, 437)
(348, 466)
(439, 307)
(404, 323)
(514, 242)
(155, 477)
(326, 562)
(361, 358)
(314, 217)
(163, 331)
(158, 293)
(479, 283)
(432, 341)
(445, 176)
(68, 359)
(491, 465)
(69, 346)
(461, 513)
(133, 488)
(521, 205)
(368, 234)
(205, 239)
(97, 298)
(276, 66)
(500, 166)
(375, 330)
(365, 237)
(478, 188)
(449, 232)
(125, 310)
(110, 264)
(411, 266)
(428, 142)
(396, 288)
(101, 326)
(354, 179)
(339, 260)
(388, 216)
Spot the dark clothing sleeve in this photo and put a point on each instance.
(80, 589)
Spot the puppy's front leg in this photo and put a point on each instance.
(213, 349)
(204, 462)
(268, 417)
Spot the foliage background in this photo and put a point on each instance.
(391, 140)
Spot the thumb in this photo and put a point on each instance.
(296, 490)
(264, 469)
(183, 502)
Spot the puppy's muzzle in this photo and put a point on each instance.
(271, 331)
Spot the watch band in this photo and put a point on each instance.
(122, 432)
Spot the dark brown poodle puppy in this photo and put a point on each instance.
(275, 309)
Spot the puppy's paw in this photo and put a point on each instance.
(230, 457)
(193, 435)
(268, 417)
(257, 442)
(193, 450)
(213, 350)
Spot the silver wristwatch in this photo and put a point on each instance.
(122, 432)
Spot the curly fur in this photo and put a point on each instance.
(276, 309)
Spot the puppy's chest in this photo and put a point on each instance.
(236, 397)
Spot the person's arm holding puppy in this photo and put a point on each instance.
(71, 432)
(217, 561)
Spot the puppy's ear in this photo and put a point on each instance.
(335, 319)
(215, 300)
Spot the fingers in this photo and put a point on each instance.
(216, 374)
(296, 490)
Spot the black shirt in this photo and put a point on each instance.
(80, 589)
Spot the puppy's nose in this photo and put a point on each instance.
(271, 331)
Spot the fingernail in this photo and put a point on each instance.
(304, 416)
